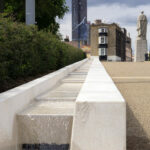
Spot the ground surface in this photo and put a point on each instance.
(133, 81)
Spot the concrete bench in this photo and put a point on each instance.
(17, 99)
(100, 114)
(47, 123)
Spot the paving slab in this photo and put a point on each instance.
(78, 73)
(59, 96)
(69, 87)
(73, 81)
(133, 81)
(74, 76)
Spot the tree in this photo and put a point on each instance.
(46, 12)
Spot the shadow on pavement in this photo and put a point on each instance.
(137, 139)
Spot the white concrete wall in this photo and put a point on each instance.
(114, 58)
(15, 100)
(100, 115)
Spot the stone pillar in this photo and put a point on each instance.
(30, 12)
(141, 50)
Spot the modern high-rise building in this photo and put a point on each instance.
(79, 20)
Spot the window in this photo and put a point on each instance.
(103, 40)
(102, 51)
(103, 30)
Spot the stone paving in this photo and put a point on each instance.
(133, 81)
(49, 119)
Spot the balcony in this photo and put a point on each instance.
(103, 46)
(103, 30)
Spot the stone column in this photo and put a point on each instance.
(30, 12)
(141, 50)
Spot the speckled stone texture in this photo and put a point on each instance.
(99, 122)
(46, 124)
(133, 81)
(141, 50)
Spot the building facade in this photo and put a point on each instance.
(79, 16)
(108, 41)
(128, 49)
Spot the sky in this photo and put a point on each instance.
(123, 12)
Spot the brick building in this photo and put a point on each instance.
(109, 41)
(128, 49)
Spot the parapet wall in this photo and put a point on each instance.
(100, 114)
(15, 100)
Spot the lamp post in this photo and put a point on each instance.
(30, 12)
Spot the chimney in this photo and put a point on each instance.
(98, 22)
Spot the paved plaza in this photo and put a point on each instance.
(133, 81)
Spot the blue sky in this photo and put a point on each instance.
(123, 12)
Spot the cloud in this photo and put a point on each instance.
(66, 26)
(124, 15)
(117, 12)
(126, 2)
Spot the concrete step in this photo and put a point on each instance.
(81, 71)
(71, 87)
(78, 73)
(46, 124)
(73, 81)
(74, 78)
(58, 96)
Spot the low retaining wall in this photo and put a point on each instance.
(100, 115)
(15, 100)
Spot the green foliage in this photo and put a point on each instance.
(15, 8)
(46, 12)
(25, 52)
(1, 6)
